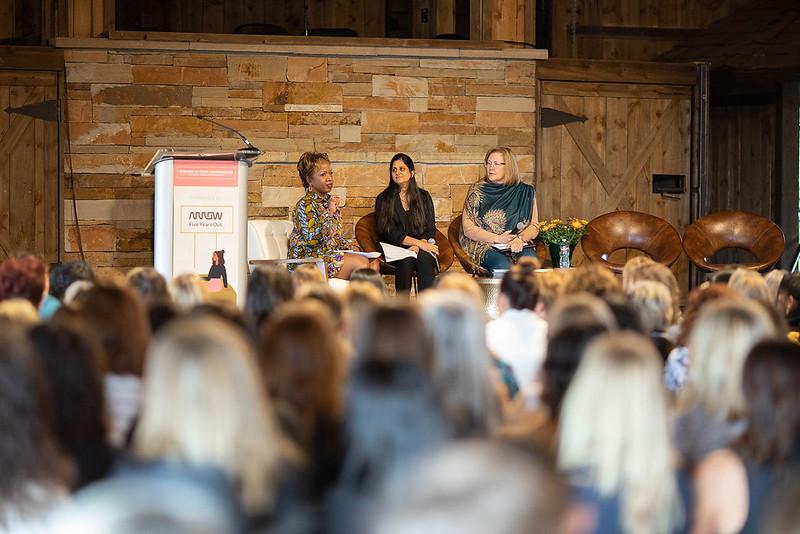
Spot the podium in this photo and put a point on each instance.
(200, 218)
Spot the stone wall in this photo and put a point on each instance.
(124, 100)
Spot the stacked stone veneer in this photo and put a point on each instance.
(124, 103)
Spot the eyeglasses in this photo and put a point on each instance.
(494, 163)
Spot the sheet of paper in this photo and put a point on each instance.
(370, 255)
(394, 253)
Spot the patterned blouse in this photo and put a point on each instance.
(317, 233)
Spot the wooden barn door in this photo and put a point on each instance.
(606, 163)
(29, 214)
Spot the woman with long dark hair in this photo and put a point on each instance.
(404, 217)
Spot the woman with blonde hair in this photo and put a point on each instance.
(711, 404)
(614, 437)
(751, 285)
(186, 291)
(501, 210)
(204, 407)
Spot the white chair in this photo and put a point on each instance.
(268, 243)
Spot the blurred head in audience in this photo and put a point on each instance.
(578, 310)
(653, 302)
(463, 283)
(149, 284)
(551, 286)
(696, 299)
(72, 363)
(204, 370)
(64, 274)
(658, 272)
(751, 285)
(331, 300)
(24, 277)
(630, 273)
(771, 383)
(267, 288)
(116, 316)
(18, 311)
(225, 311)
(593, 279)
(361, 299)
(473, 487)
(518, 288)
(625, 313)
(396, 333)
(369, 276)
(564, 353)
(186, 291)
(75, 291)
(462, 365)
(35, 474)
(721, 337)
(773, 280)
(789, 294)
(307, 274)
(302, 366)
(614, 432)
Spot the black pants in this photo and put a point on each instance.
(424, 266)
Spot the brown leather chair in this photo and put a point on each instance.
(454, 234)
(733, 229)
(630, 229)
(367, 238)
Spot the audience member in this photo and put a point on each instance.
(474, 487)
(371, 277)
(62, 275)
(751, 285)
(712, 406)
(614, 440)
(18, 311)
(579, 309)
(267, 288)
(186, 291)
(593, 279)
(35, 474)
(117, 318)
(461, 366)
(24, 277)
(219, 420)
(307, 274)
(653, 302)
(303, 368)
(519, 335)
(773, 280)
(149, 285)
(73, 367)
(678, 360)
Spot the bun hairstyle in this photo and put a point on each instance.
(307, 164)
(520, 287)
(220, 257)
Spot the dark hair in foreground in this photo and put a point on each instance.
(564, 353)
(771, 383)
(63, 275)
(267, 288)
(519, 286)
(71, 362)
(28, 456)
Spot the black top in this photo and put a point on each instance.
(395, 234)
(218, 271)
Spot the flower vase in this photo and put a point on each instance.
(555, 251)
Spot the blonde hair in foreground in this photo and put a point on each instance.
(205, 405)
(614, 428)
(719, 343)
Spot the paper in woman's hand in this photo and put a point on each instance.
(500, 246)
(394, 253)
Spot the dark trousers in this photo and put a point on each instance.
(424, 266)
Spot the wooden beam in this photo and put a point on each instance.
(788, 172)
(593, 70)
(636, 32)
(31, 58)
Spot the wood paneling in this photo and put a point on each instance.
(742, 158)
(630, 29)
(367, 17)
(606, 163)
(21, 22)
(29, 210)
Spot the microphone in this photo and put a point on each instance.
(432, 241)
(250, 150)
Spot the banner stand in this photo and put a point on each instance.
(200, 218)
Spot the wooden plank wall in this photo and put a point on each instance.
(742, 158)
(367, 17)
(630, 29)
(20, 21)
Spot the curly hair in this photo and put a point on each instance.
(23, 277)
(307, 164)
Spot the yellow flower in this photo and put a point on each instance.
(577, 225)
